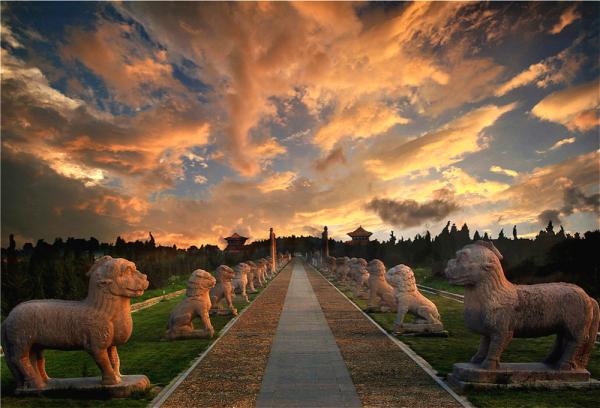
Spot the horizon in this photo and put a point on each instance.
(119, 119)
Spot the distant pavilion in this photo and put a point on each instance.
(235, 243)
(359, 236)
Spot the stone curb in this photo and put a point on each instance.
(166, 392)
(152, 301)
(406, 349)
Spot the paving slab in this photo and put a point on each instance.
(305, 367)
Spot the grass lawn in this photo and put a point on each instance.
(145, 353)
(425, 277)
(442, 353)
(176, 282)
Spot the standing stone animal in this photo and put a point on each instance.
(240, 280)
(381, 293)
(500, 310)
(360, 276)
(195, 304)
(342, 268)
(251, 274)
(97, 324)
(223, 290)
(410, 300)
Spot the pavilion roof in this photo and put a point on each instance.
(360, 232)
(235, 236)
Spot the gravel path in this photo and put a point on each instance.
(231, 374)
(382, 374)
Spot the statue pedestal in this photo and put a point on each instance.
(86, 386)
(467, 376)
(422, 329)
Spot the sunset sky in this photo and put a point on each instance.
(195, 120)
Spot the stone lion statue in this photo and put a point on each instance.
(360, 277)
(223, 290)
(331, 265)
(499, 310)
(240, 280)
(262, 270)
(251, 288)
(195, 304)
(97, 324)
(381, 293)
(342, 268)
(410, 300)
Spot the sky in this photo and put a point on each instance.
(195, 120)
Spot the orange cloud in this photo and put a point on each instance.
(567, 18)
(573, 107)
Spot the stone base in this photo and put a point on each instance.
(86, 386)
(467, 376)
(420, 329)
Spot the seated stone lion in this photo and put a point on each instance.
(97, 324)
(381, 293)
(331, 265)
(409, 299)
(223, 290)
(499, 310)
(240, 280)
(195, 304)
(360, 277)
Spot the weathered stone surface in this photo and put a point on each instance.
(519, 375)
(97, 325)
(196, 304)
(342, 268)
(410, 300)
(360, 278)
(499, 310)
(92, 385)
(252, 276)
(223, 291)
(381, 293)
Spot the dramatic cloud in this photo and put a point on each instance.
(409, 213)
(574, 107)
(442, 147)
(561, 142)
(506, 172)
(336, 156)
(566, 18)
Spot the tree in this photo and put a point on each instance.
(550, 228)
(476, 236)
(515, 233)
(501, 234)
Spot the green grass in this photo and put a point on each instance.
(424, 276)
(442, 353)
(145, 353)
(176, 282)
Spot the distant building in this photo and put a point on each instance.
(359, 236)
(235, 243)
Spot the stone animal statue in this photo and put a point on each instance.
(240, 280)
(381, 293)
(342, 268)
(409, 299)
(223, 290)
(270, 271)
(360, 276)
(257, 279)
(195, 304)
(262, 270)
(250, 288)
(97, 324)
(500, 310)
(331, 264)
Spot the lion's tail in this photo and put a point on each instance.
(592, 333)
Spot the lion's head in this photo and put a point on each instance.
(359, 266)
(402, 278)
(376, 268)
(118, 277)
(474, 263)
(224, 273)
(199, 283)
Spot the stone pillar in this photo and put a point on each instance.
(325, 244)
(273, 251)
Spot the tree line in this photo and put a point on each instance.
(58, 270)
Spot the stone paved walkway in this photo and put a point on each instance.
(305, 367)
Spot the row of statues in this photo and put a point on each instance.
(102, 321)
(494, 308)
(393, 290)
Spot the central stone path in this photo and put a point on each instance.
(305, 367)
